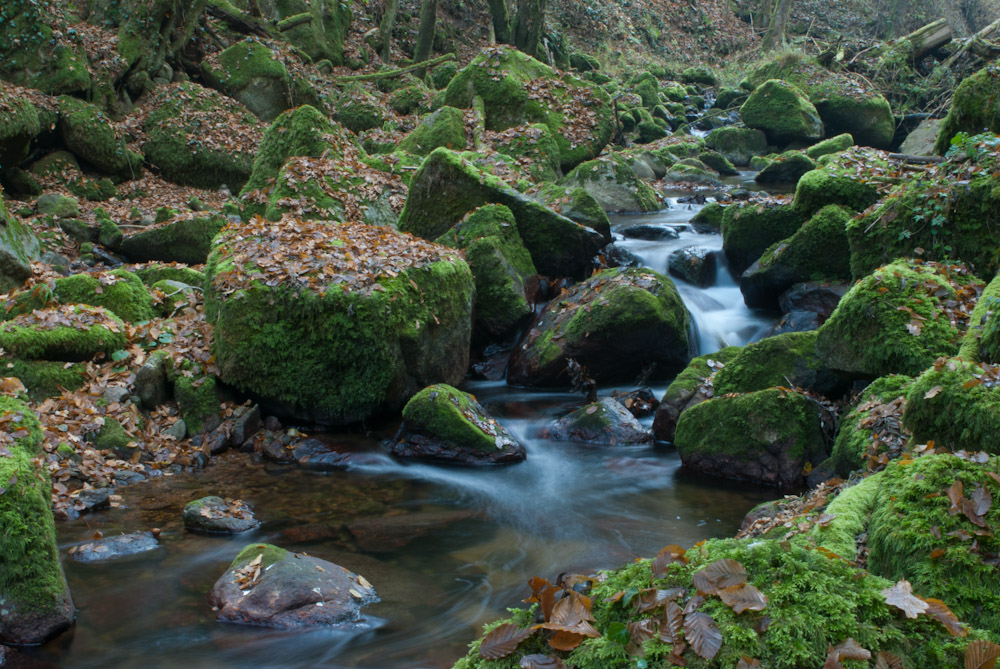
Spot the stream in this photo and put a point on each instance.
(447, 549)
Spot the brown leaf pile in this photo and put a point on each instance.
(76, 316)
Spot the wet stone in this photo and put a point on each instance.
(110, 548)
(215, 515)
(694, 264)
(640, 402)
(648, 232)
(606, 422)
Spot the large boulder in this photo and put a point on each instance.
(269, 586)
(19, 125)
(770, 437)
(37, 50)
(36, 599)
(534, 147)
(577, 205)
(119, 291)
(788, 360)
(690, 387)
(341, 322)
(185, 240)
(447, 187)
(500, 264)
(442, 423)
(975, 107)
(517, 89)
(91, 136)
(786, 168)
(817, 251)
(898, 320)
(614, 184)
(783, 112)
(198, 137)
(606, 422)
(443, 128)
(839, 180)
(616, 324)
(18, 247)
(956, 404)
(738, 145)
(749, 229)
(71, 332)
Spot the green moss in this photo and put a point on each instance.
(613, 183)
(534, 145)
(911, 502)
(109, 234)
(95, 190)
(126, 297)
(850, 510)
(738, 144)
(156, 272)
(577, 205)
(954, 416)
(784, 360)
(113, 437)
(445, 127)
(22, 418)
(650, 131)
(444, 412)
(975, 106)
(197, 400)
(89, 133)
(18, 126)
(688, 381)
(36, 50)
(832, 145)
(853, 440)
(869, 335)
(269, 553)
(783, 112)
(63, 342)
(747, 231)
(44, 378)
(718, 162)
(786, 168)
(710, 216)
(188, 240)
(827, 185)
(357, 110)
(409, 99)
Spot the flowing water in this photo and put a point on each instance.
(446, 548)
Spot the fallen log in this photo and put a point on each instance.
(917, 160)
(389, 74)
(929, 37)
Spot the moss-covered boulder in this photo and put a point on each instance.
(818, 251)
(709, 218)
(444, 127)
(692, 386)
(121, 292)
(517, 89)
(19, 125)
(155, 272)
(447, 187)
(916, 533)
(70, 333)
(898, 320)
(982, 339)
(694, 264)
(615, 324)
(197, 137)
(750, 229)
(577, 205)
(37, 602)
(718, 162)
(317, 29)
(606, 423)
(370, 318)
(829, 146)
(613, 183)
(253, 74)
(535, 147)
(18, 248)
(846, 103)
(975, 107)
(45, 378)
(500, 264)
(878, 414)
(788, 360)
(37, 50)
(442, 423)
(738, 145)
(91, 136)
(358, 110)
(783, 112)
(837, 182)
(771, 437)
(185, 240)
(786, 168)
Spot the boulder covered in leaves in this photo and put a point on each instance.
(334, 323)
(119, 291)
(613, 183)
(769, 437)
(198, 137)
(36, 600)
(91, 136)
(783, 112)
(873, 428)
(70, 333)
(447, 187)
(500, 264)
(271, 587)
(618, 324)
(899, 320)
(444, 424)
(517, 89)
(606, 422)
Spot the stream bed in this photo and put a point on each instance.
(446, 548)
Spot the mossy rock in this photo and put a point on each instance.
(358, 110)
(45, 378)
(534, 146)
(121, 292)
(302, 131)
(649, 131)
(783, 112)
(18, 248)
(686, 390)
(577, 205)
(410, 99)
(331, 355)
(786, 168)
(19, 125)
(975, 106)
(443, 423)
(443, 128)
(718, 162)
(770, 437)
(982, 339)
(156, 272)
(188, 240)
(830, 185)
(738, 145)
(442, 75)
(615, 324)
(500, 264)
(113, 437)
(447, 187)
(174, 296)
(321, 38)
(179, 115)
(854, 436)
(709, 217)
(69, 333)
(750, 229)
(37, 602)
(912, 535)
(606, 422)
(940, 408)
(818, 251)
(613, 183)
(90, 134)
(698, 75)
(251, 73)
(788, 360)
(507, 79)
(893, 322)
(197, 400)
(37, 51)
(830, 146)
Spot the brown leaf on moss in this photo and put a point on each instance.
(503, 641)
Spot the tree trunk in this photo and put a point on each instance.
(529, 24)
(929, 37)
(501, 20)
(779, 21)
(385, 30)
(425, 34)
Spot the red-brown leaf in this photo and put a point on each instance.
(742, 598)
(981, 655)
(703, 634)
(718, 575)
(671, 624)
(939, 611)
(503, 641)
(884, 660)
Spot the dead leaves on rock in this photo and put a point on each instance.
(902, 597)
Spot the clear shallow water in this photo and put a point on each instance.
(485, 532)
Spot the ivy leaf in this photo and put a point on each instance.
(703, 634)
(503, 641)
(901, 596)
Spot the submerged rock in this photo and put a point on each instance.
(269, 586)
(606, 422)
(111, 548)
(219, 516)
(443, 423)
